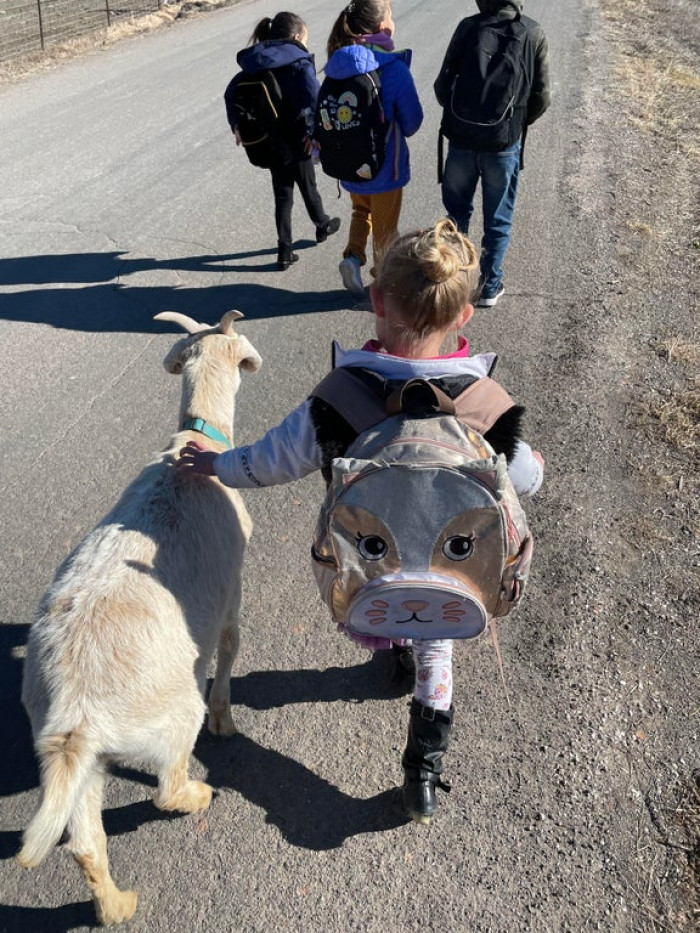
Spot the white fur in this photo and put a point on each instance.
(118, 653)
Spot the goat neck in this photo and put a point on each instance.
(209, 388)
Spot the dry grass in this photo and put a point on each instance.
(686, 817)
(35, 62)
(680, 349)
(658, 94)
(679, 419)
(663, 95)
(678, 415)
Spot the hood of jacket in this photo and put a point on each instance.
(397, 367)
(273, 53)
(493, 7)
(360, 59)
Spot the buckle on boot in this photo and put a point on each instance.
(424, 712)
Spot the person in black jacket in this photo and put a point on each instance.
(278, 44)
(485, 148)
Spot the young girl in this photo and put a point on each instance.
(360, 42)
(422, 296)
(279, 44)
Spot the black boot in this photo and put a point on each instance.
(428, 737)
(285, 257)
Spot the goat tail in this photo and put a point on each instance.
(66, 762)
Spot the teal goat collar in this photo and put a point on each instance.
(200, 425)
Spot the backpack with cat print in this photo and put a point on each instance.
(487, 103)
(421, 534)
(256, 101)
(350, 127)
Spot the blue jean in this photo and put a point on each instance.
(499, 172)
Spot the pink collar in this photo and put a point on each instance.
(462, 349)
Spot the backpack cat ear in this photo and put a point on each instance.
(345, 471)
(492, 472)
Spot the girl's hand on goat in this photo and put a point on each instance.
(196, 457)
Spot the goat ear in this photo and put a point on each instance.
(248, 356)
(175, 360)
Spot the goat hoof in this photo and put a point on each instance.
(221, 723)
(117, 907)
(192, 797)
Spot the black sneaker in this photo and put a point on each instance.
(488, 301)
(332, 225)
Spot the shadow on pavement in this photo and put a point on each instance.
(56, 919)
(270, 689)
(310, 812)
(87, 292)
(20, 772)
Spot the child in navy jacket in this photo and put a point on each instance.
(279, 45)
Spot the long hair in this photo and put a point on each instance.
(283, 26)
(359, 18)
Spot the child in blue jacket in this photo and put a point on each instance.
(361, 41)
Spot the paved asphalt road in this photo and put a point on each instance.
(122, 194)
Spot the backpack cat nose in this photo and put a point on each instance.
(414, 605)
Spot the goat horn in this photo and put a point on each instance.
(187, 323)
(227, 320)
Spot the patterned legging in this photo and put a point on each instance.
(433, 685)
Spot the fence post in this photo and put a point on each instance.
(107, 10)
(41, 25)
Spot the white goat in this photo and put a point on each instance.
(118, 653)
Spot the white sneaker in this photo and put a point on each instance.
(491, 301)
(349, 269)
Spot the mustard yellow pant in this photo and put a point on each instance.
(375, 215)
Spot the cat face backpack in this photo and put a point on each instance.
(421, 535)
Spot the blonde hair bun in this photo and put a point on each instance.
(433, 273)
(443, 252)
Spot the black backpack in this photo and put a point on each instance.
(351, 127)
(254, 104)
(487, 104)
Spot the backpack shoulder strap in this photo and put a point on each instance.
(353, 396)
(364, 399)
(482, 404)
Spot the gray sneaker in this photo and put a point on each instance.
(349, 269)
(488, 301)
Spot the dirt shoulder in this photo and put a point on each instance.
(638, 183)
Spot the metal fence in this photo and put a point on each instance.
(33, 25)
